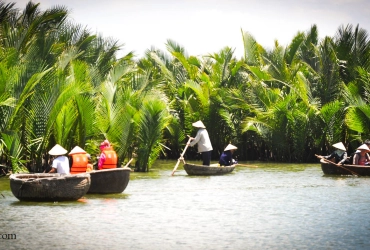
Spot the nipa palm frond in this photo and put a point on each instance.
(152, 121)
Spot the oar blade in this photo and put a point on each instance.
(174, 169)
(181, 156)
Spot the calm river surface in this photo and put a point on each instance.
(274, 206)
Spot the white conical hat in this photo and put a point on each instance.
(77, 150)
(340, 146)
(364, 147)
(57, 150)
(230, 147)
(199, 124)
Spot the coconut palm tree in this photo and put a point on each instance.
(357, 116)
(53, 71)
(171, 73)
(353, 50)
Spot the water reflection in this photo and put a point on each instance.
(274, 206)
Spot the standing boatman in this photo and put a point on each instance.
(203, 141)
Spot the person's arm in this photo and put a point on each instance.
(355, 159)
(367, 159)
(53, 166)
(196, 139)
(101, 160)
(330, 156)
(343, 159)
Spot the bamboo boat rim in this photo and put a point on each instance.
(38, 176)
(346, 165)
(210, 166)
(110, 170)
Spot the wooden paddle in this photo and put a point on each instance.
(338, 165)
(181, 156)
(128, 163)
(245, 165)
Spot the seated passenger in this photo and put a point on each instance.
(90, 166)
(78, 160)
(226, 156)
(60, 163)
(108, 157)
(361, 157)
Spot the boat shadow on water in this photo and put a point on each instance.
(80, 202)
(107, 196)
(48, 203)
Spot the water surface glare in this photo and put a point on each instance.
(274, 206)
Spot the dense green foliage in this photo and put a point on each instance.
(59, 83)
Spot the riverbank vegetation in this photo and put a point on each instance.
(61, 83)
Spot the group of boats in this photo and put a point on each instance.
(328, 167)
(68, 187)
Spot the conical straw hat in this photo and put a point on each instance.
(57, 150)
(199, 124)
(77, 150)
(363, 147)
(230, 147)
(340, 146)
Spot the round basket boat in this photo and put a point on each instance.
(109, 181)
(213, 169)
(49, 187)
(346, 169)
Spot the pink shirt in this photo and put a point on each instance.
(101, 160)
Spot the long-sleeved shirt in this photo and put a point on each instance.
(226, 158)
(340, 156)
(202, 138)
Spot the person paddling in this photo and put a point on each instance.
(339, 155)
(203, 141)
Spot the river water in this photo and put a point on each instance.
(274, 206)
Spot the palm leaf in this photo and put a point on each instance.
(151, 122)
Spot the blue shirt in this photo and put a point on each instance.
(226, 158)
